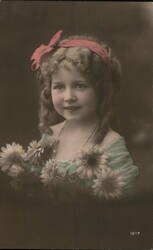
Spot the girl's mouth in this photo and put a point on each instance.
(72, 108)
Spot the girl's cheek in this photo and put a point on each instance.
(88, 96)
(56, 98)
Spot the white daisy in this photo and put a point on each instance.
(109, 184)
(10, 155)
(34, 150)
(37, 148)
(91, 162)
(11, 148)
(50, 172)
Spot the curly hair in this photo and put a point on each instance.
(106, 82)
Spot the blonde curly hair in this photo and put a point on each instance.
(105, 80)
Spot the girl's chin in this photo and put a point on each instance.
(72, 118)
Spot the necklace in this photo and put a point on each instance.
(91, 134)
(93, 131)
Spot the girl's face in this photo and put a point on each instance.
(73, 97)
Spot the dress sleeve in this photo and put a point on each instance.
(120, 159)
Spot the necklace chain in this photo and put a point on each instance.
(90, 135)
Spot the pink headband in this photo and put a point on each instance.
(43, 49)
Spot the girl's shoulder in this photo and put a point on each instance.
(111, 138)
(115, 145)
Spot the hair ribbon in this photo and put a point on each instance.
(54, 43)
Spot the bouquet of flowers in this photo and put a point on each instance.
(36, 173)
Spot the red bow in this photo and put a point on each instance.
(91, 45)
(43, 49)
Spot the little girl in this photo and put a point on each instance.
(79, 157)
(78, 153)
(79, 79)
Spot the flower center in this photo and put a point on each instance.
(109, 185)
(92, 161)
(15, 158)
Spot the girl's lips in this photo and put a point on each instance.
(72, 107)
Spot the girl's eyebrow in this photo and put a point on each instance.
(75, 81)
(57, 82)
(81, 80)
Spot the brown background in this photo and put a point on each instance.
(126, 26)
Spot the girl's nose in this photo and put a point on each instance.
(69, 95)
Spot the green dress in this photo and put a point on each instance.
(106, 172)
(120, 158)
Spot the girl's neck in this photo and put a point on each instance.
(72, 125)
(74, 136)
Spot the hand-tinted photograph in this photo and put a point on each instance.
(76, 131)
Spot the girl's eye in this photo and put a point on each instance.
(57, 87)
(81, 85)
